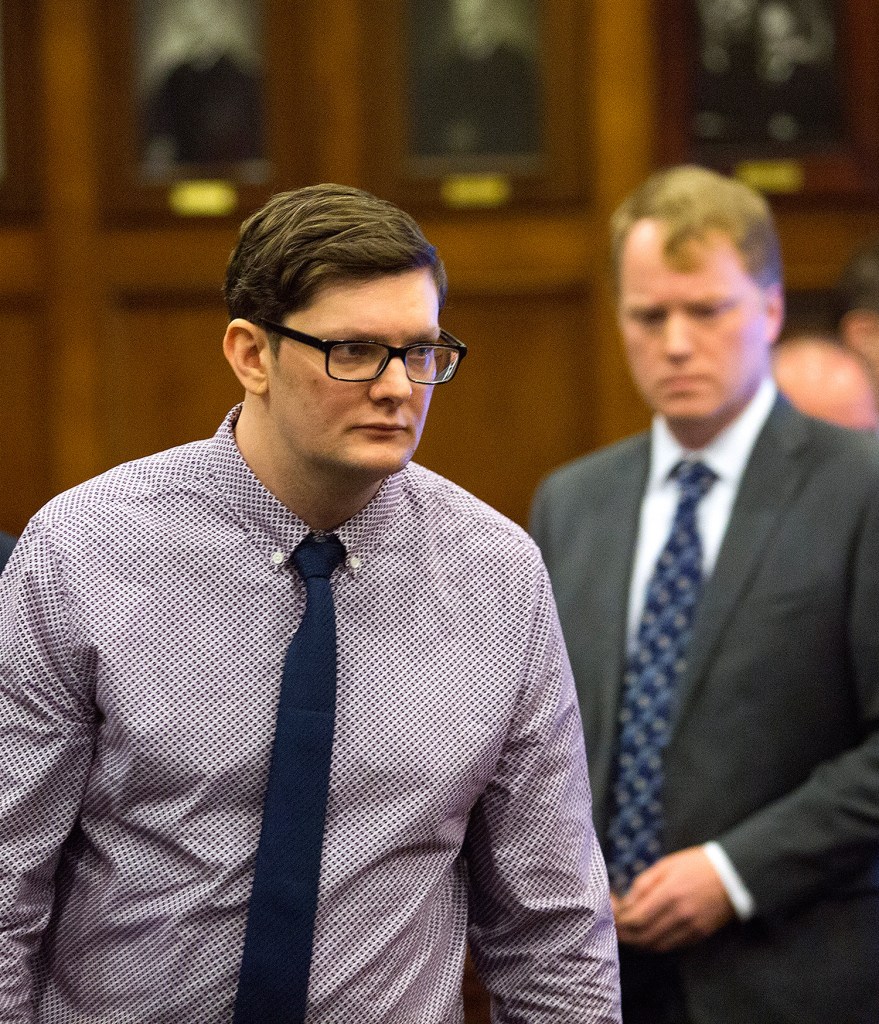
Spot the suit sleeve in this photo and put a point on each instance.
(542, 931)
(824, 835)
(7, 544)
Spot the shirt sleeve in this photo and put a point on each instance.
(541, 928)
(46, 740)
(741, 899)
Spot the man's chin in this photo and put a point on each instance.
(376, 466)
(687, 407)
(695, 427)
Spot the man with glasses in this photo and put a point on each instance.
(287, 718)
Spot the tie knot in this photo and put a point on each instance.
(318, 556)
(694, 478)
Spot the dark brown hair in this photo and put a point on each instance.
(304, 240)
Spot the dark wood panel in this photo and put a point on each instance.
(25, 398)
(166, 379)
(213, 186)
(21, 127)
(516, 254)
(789, 107)
(432, 144)
(166, 261)
(20, 266)
(521, 404)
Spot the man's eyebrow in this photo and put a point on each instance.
(428, 337)
(645, 307)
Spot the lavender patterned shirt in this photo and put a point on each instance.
(144, 619)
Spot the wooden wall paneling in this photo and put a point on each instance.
(521, 403)
(335, 47)
(131, 196)
(24, 399)
(818, 240)
(21, 122)
(554, 173)
(514, 251)
(625, 130)
(73, 257)
(836, 102)
(185, 258)
(167, 381)
(26, 384)
(164, 378)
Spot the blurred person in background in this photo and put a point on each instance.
(857, 295)
(822, 378)
(717, 579)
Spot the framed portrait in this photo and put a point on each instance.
(188, 105)
(20, 121)
(200, 96)
(778, 91)
(476, 92)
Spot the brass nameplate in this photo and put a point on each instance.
(203, 198)
(772, 175)
(468, 190)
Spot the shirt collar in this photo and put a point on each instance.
(727, 455)
(271, 525)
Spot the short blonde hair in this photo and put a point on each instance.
(693, 202)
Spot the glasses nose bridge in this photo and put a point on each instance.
(395, 353)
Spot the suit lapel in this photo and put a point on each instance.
(775, 472)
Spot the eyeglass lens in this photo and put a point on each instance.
(425, 364)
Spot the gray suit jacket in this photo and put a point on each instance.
(774, 750)
(7, 543)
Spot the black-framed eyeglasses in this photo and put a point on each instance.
(433, 362)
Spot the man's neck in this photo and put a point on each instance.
(322, 501)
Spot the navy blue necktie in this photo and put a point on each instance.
(650, 687)
(273, 983)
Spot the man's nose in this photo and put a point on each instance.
(678, 335)
(393, 382)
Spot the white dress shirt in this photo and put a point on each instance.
(727, 456)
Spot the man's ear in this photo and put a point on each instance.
(773, 298)
(246, 347)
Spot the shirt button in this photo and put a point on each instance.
(278, 557)
(355, 563)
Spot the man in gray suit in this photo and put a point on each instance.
(747, 878)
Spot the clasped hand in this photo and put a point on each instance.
(675, 902)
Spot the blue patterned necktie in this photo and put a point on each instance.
(273, 983)
(650, 684)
